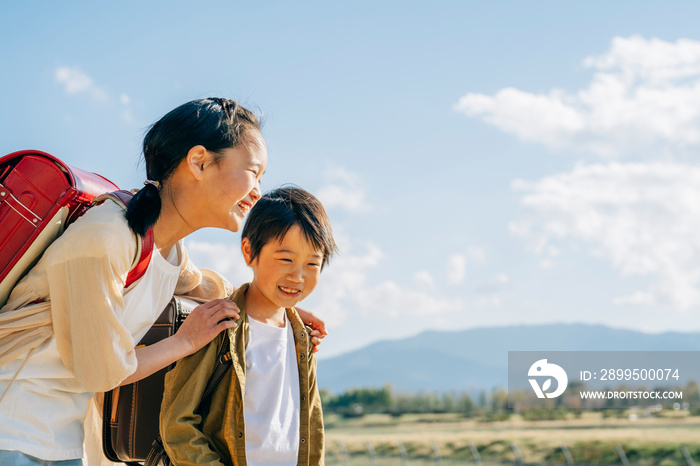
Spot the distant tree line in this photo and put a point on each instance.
(491, 406)
(360, 401)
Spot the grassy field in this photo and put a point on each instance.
(590, 438)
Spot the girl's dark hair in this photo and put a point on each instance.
(215, 123)
(279, 210)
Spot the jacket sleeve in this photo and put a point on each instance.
(185, 444)
(85, 271)
(201, 283)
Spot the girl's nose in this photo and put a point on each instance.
(256, 194)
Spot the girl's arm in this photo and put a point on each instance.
(85, 270)
(201, 326)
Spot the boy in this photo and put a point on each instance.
(267, 408)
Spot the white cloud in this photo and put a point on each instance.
(652, 60)
(643, 218)
(644, 98)
(456, 268)
(496, 285)
(126, 109)
(424, 279)
(345, 288)
(489, 294)
(343, 189)
(75, 81)
(457, 263)
(225, 258)
(547, 264)
(513, 111)
(344, 281)
(390, 298)
(638, 298)
(477, 254)
(489, 300)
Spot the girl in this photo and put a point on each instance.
(69, 327)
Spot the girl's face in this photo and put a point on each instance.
(232, 186)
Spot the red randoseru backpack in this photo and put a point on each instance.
(40, 196)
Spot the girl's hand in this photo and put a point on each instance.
(319, 327)
(202, 325)
(206, 321)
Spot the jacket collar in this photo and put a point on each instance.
(240, 332)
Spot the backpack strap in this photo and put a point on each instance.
(139, 269)
(223, 362)
(122, 198)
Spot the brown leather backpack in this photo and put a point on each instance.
(130, 413)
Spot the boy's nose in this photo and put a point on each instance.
(295, 275)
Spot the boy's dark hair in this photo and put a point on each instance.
(279, 210)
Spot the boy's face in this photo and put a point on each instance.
(285, 272)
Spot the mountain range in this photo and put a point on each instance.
(477, 359)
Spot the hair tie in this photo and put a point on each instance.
(154, 183)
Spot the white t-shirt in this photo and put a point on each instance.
(271, 397)
(42, 414)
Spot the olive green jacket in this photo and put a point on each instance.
(214, 434)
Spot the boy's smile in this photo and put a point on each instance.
(284, 273)
(291, 292)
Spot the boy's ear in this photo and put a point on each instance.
(245, 249)
(196, 159)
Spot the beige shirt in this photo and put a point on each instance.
(88, 323)
(81, 278)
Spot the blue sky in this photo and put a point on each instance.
(483, 163)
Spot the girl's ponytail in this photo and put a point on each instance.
(144, 208)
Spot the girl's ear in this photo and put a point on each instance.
(245, 249)
(197, 158)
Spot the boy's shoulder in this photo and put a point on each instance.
(301, 331)
(238, 296)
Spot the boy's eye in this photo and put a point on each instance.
(314, 264)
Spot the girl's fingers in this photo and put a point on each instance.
(211, 305)
(218, 310)
(207, 321)
(226, 324)
(320, 327)
(312, 320)
(317, 334)
(227, 312)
